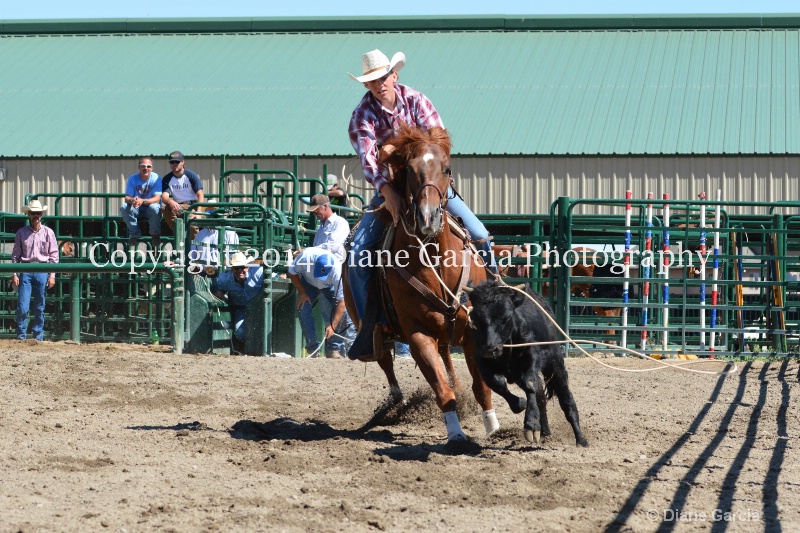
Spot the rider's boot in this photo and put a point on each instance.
(362, 347)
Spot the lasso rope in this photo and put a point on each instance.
(574, 342)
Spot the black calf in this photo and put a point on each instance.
(501, 315)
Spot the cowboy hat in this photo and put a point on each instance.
(34, 206)
(238, 260)
(376, 65)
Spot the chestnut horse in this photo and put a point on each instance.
(425, 297)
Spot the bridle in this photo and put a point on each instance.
(416, 197)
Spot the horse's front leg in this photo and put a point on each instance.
(482, 391)
(386, 362)
(425, 352)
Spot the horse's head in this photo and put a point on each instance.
(420, 164)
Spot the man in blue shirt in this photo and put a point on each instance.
(143, 200)
(317, 275)
(241, 284)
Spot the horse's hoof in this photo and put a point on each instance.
(533, 436)
(397, 394)
(458, 437)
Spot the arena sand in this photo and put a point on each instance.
(113, 437)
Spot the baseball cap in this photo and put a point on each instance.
(317, 200)
(175, 156)
(323, 265)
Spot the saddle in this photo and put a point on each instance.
(449, 309)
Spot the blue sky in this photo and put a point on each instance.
(61, 9)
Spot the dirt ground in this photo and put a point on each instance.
(126, 438)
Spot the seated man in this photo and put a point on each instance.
(314, 273)
(241, 284)
(143, 200)
(182, 188)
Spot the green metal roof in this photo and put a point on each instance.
(638, 85)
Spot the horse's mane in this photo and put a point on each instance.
(407, 143)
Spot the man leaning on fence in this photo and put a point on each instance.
(34, 243)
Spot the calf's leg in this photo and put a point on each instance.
(497, 382)
(559, 383)
(532, 384)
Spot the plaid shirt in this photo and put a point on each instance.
(371, 124)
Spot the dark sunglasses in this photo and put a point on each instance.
(238, 268)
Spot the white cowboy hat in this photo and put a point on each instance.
(238, 260)
(376, 65)
(35, 206)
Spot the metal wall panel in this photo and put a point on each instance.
(489, 185)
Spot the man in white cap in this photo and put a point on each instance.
(34, 243)
(333, 229)
(205, 247)
(317, 275)
(336, 193)
(376, 118)
(241, 284)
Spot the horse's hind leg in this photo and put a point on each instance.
(387, 365)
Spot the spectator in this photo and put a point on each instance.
(336, 194)
(34, 243)
(240, 285)
(333, 229)
(143, 200)
(182, 188)
(314, 273)
(205, 246)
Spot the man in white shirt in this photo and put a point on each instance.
(333, 230)
(317, 276)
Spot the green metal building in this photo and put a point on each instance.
(538, 107)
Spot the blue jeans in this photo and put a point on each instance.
(31, 283)
(327, 304)
(131, 215)
(369, 233)
(238, 315)
(402, 349)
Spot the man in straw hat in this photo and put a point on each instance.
(34, 243)
(241, 284)
(385, 105)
